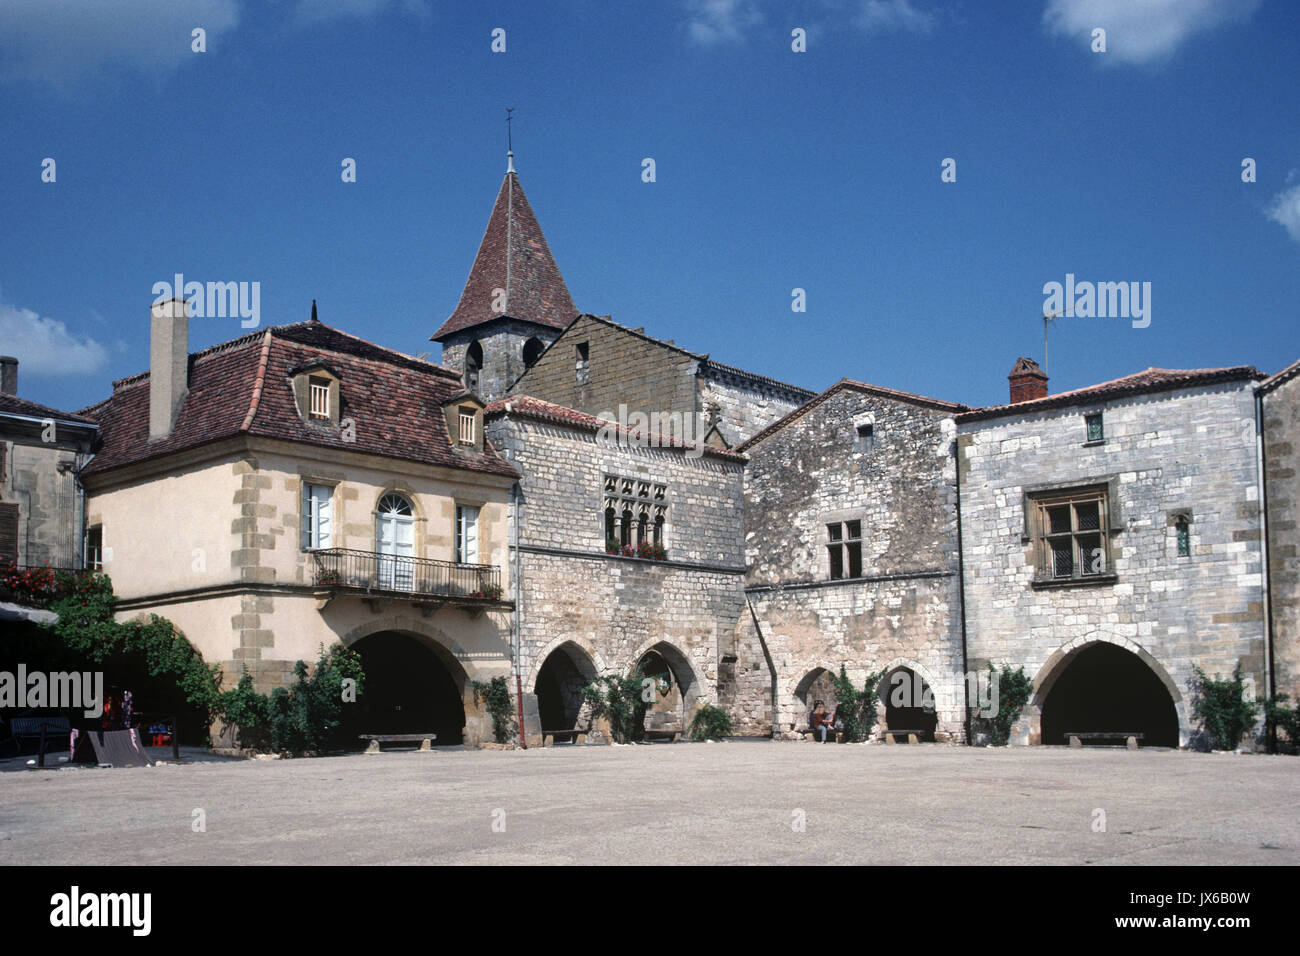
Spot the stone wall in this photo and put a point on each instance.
(904, 609)
(1190, 451)
(49, 530)
(625, 369)
(1281, 403)
(502, 342)
(745, 405)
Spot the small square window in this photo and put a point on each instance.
(1094, 425)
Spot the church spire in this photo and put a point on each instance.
(514, 274)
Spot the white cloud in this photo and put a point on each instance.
(315, 11)
(882, 15)
(1285, 210)
(1139, 31)
(59, 41)
(720, 21)
(45, 346)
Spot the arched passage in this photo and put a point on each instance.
(1104, 688)
(560, 680)
(909, 703)
(411, 686)
(816, 685)
(676, 691)
(533, 350)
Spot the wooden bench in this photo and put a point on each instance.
(424, 740)
(43, 729)
(669, 735)
(1132, 741)
(552, 737)
(832, 735)
(913, 736)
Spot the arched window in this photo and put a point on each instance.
(625, 528)
(395, 542)
(533, 350)
(611, 531)
(473, 363)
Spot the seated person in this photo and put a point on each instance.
(819, 721)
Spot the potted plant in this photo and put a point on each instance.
(660, 553)
(611, 546)
(645, 550)
(329, 578)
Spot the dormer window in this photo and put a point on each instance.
(316, 393)
(320, 396)
(466, 432)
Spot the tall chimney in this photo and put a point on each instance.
(169, 355)
(1027, 381)
(8, 375)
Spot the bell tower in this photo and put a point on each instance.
(514, 303)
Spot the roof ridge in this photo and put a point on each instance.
(256, 398)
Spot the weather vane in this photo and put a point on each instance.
(509, 144)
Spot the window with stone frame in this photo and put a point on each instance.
(95, 548)
(1070, 533)
(844, 549)
(635, 512)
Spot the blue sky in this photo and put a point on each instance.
(775, 170)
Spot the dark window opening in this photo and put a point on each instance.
(1071, 539)
(473, 363)
(1094, 425)
(867, 438)
(1184, 532)
(844, 548)
(583, 363)
(533, 350)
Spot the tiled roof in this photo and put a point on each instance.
(14, 405)
(1150, 380)
(245, 387)
(513, 256)
(843, 385)
(526, 406)
(1279, 378)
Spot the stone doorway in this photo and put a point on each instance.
(1103, 688)
(409, 687)
(560, 680)
(909, 703)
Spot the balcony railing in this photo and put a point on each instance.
(395, 574)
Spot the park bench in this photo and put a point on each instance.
(831, 735)
(892, 735)
(424, 740)
(1132, 741)
(43, 729)
(551, 737)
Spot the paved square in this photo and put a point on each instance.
(735, 802)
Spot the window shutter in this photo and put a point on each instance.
(469, 535)
(9, 533)
(323, 497)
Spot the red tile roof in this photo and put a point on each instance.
(847, 383)
(526, 406)
(245, 387)
(14, 405)
(1150, 380)
(513, 256)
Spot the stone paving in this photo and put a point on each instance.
(733, 802)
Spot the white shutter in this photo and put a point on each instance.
(469, 535)
(323, 499)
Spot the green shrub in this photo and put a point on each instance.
(1286, 719)
(1014, 690)
(620, 701)
(710, 723)
(496, 694)
(1222, 706)
(857, 708)
(304, 718)
(150, 658)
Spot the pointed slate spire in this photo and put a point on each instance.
(313, 311)
(514, 273)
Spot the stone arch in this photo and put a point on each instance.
(532, 351)
(910, 714)
(579, 644)
(686, 675)
(473, 366)
(556, 681)
(414, 675)
(797, 695)
(1059, 662)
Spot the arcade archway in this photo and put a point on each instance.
(1104, 688)
(411, 686)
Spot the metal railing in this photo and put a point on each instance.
(391, 573)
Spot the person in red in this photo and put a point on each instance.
(820, 720)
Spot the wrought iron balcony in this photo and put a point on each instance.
(390, 575)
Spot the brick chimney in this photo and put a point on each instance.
(8, 375)
(1027, 381)
(169, 358)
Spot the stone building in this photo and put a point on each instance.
(42, 504)
(587, 489)
(1112, 543)
(852, 559)
(1279, 398)
(299, 487)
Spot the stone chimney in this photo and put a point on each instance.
(8, 375)
(169, 359)
(1027, 381)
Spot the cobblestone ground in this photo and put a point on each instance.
(735, 802)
